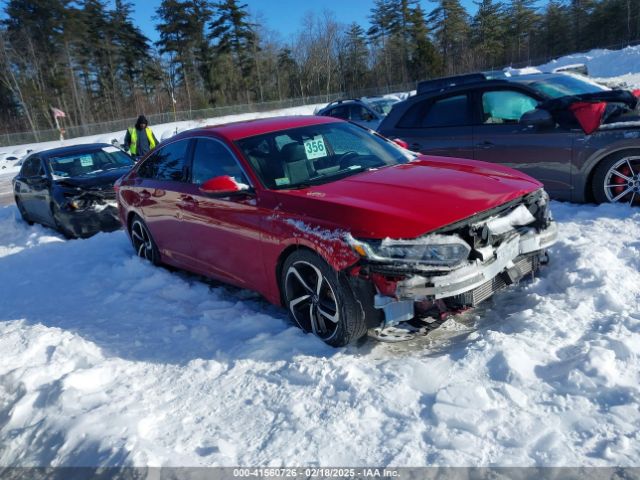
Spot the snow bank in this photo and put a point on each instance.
(602, 63)
(108, 360)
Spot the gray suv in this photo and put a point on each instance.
(579, 138)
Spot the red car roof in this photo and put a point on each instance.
(237, 130)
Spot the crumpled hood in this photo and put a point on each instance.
(99, 181)
(406, 201)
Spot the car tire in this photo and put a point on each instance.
(143, 244)
(319, 299)
(57, 225)
(616, 178)
(23, 213)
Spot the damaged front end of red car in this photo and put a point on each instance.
(457, 266)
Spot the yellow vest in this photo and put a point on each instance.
(133, 133)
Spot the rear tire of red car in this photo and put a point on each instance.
(616, 178)
(142, 241)
(320, 301)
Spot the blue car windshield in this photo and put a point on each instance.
(317, 154)
(564, 85)
(83, 164)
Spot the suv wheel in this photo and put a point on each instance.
(320, 301)
(617, 178)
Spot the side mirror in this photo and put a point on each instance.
(223, 186)
(40, 180)
(537, 118)
(400, 142)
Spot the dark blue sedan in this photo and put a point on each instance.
(71, 188)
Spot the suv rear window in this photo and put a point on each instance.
(445, 112)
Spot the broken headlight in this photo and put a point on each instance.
(76, 201)
(444, 250)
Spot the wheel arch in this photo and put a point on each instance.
(284, 254)
(130, 217)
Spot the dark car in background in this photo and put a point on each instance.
(579, 139)
(367, 112)
(71, 189)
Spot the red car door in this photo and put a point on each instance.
(224, 233)
(159, 184)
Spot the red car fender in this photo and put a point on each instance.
(290, 232)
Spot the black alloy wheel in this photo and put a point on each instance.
(320, 301)
(142, 241)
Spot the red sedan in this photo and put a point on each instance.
(347, 230)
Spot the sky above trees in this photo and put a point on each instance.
(286, 16)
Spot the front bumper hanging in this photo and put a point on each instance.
(467, 286)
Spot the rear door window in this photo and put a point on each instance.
(168, 163)
(32, 168)
(360, 113)
(451, 111)
(340, 112)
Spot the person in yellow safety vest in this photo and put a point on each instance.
(140, 140)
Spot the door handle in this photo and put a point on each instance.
(485, 144)
(188, 200)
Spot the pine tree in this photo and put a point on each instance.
(424, 60)
(450, 25)
(354, 58)
(36, 27)
(523, 21)
(182, 39)
(580, 12)
(288, 75)
(556, 29)
(382, 19)
(233, 42)
(487, 32)
(133, 46)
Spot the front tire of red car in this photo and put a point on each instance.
(320, 301)
(616, 178)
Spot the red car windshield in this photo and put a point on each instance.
(317, 154)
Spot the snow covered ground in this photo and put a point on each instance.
(107, 360)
